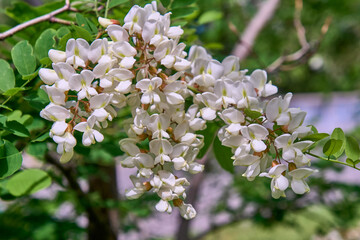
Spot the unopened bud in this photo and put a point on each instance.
(69, 128)
(178, 202)
(152, 70)
(145, 106)
(105, 22)
(170, 130)
(147, 186)
(57, 56)
(274, 163)
(285, 128)
(291, 166)
(259, 154)
(163, 76)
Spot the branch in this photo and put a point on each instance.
(257, 23)
(196, 181)
(306, 50)
(61, 21)
(46, 17)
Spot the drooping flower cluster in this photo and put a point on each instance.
(142, 65)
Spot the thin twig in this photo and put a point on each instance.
(34, 21)
(288, 62)
(61, 21)
(107, 8)
(257, 23)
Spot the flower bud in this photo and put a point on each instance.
(105, 22)
(147, 186)
(274, 163)
(57, 56)
(178, 202)
(291, 166)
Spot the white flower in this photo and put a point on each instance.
(276, 109)
(298, 183)
(161, 148)
(66, 143)
(98, 48)
(57, 56)
(255, 133)
(187, 211)
(55, 113)
(258, 78)
(148, 87)
(117, 33)
(135, 19)
(90, 134)
(293, 151)
(138, 189)
(163, 206)
(234, 118)
(173, 92)
(279, 183)
(82, 84)
(56, 95)
(77, 52)
(98, 104)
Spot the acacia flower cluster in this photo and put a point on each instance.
(143, 66)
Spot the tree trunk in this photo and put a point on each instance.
(104, 224)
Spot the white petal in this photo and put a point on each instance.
(299, 186)
(48, 76)
(57, 56)
(281, 183)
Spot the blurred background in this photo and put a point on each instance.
(310, 48)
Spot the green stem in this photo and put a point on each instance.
(96, 8)
(194, 90)
(333, 160)
(9, 98)
(107, 8)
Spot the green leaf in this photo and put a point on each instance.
(10, 159)
(338, 134)
(17, 129)
(332, 146)
(81, 33)
(23, 58)
(214, 46)
(350, 162)
(114, 3)
(209, 134)
(352, 150)
(31, 75)
(210, 16)
(28, 181)
(252, 114)
(44, 43)
(7, 77)
(38, 100)
(37, 150)
(42, 137)
(313, 128)
(63, 41)
(165, 3)
(182, 12)
(223, 156)
(19, 117)
(86, 23)
(315, 137)
(182, 3)
(13, 91)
